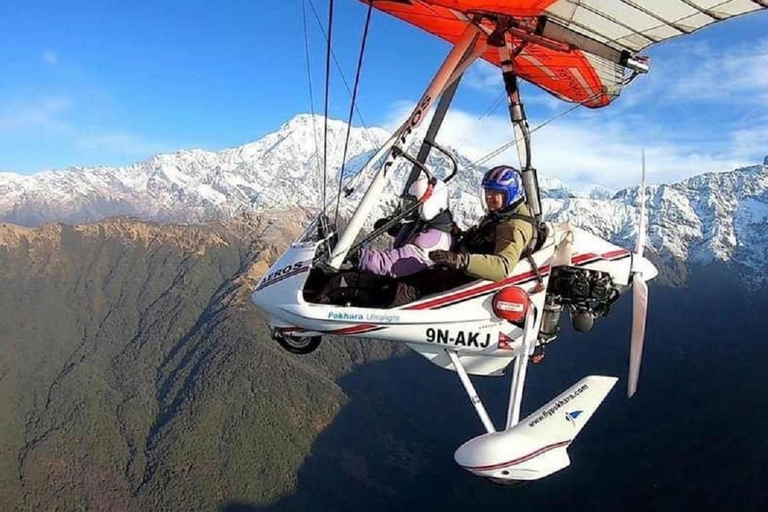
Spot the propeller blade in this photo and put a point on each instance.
(639, 313)
(641, 225)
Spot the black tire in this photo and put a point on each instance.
(298, 344)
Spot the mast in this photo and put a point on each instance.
(434, 126)
(470, 55)
(454, 62)
(503, 40)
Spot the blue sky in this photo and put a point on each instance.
(115, 82)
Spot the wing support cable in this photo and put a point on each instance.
(309, 83)
(352, 108)
(323, 218)
(343, 77)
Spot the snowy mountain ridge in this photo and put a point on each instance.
(712, 217)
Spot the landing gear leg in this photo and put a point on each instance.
(473, 396)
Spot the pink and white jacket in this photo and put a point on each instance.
(405, 258)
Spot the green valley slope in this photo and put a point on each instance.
(135, 374)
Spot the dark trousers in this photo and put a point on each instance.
(428, 282)
(363, 289)
(360, 289)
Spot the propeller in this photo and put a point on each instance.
(639, 299)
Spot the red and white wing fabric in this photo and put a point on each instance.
(594, 39)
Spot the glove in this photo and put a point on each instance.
(353, 258)
(392, 231)
(454, 260)
(380, 222)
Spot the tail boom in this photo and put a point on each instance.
(537, 446)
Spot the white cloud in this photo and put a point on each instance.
(609, 155)
(698, 72)
(483, 76)
(397, 114)
(42, 113)
(591, 149)
(736, 74)
(54, 119)
(50, 58)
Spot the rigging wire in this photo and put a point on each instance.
(625, 82)
(327, 90)
(352, 107)
(309, 82)
(487, 112)
(514, 141)
(343, 77)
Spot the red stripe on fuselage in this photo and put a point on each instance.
(518, 460)
(581, 259)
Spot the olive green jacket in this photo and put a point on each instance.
(496, 244)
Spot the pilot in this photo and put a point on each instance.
(491, 249)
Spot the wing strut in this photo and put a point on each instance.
(519, 370)
(403, 136)
(434, 126)
(507, 51)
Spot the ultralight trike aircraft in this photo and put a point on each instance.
(580, 51)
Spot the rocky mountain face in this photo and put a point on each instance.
(278, 171)
(718, 217)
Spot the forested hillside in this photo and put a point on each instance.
(135, 375)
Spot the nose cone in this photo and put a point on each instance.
(482, 451)
(643, 266)
(256, 299)
(264, 297)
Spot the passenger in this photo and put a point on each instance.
(491, 249)
(371, 281)
(414, 238)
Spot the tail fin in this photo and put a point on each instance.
(537, 446)
(564, 416)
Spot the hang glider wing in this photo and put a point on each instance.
(578, 50)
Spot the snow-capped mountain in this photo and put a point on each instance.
(279, 170)
(712, 217)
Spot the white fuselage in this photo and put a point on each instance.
(461, 319)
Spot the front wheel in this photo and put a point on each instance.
(298, 344)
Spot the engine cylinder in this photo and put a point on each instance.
(550, 321)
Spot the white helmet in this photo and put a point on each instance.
(435, 204)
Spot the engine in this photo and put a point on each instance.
(588, 295)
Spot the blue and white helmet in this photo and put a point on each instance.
(508, 181)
